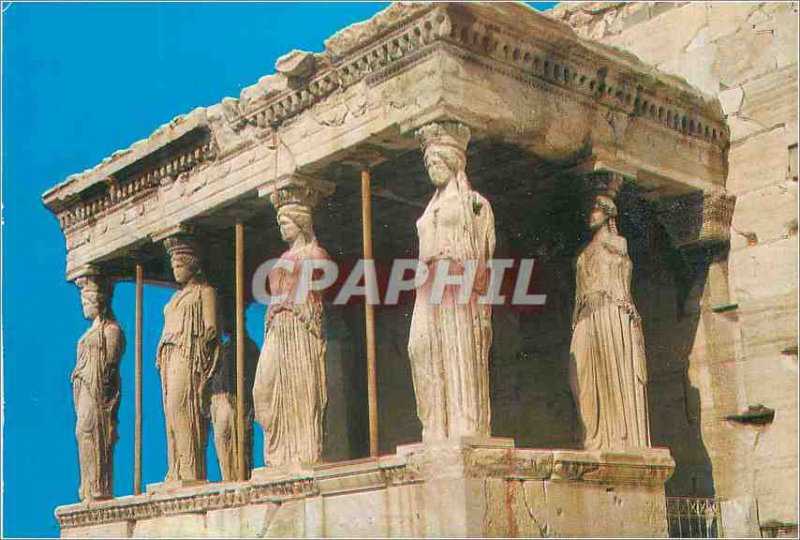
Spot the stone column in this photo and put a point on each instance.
(450, 339)
(290, 393)
(96, 386)
(608, 370)
(187, 359)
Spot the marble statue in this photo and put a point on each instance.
(187, 358)
(290, 392)
(223, 408)
(96, 389)
(608, 372)
(449, 342)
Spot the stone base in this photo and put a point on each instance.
(174, 485)
(449, 488)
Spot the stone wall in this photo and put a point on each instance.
(745, 349)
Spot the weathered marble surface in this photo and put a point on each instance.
(450, 339)
(608, 369)
(96, 389)
(486, 65)
(463, 487)
(187, 359)
(745, 54)
(290, 390)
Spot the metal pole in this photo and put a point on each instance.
(137, 382)
(240, 354)
(369, 315)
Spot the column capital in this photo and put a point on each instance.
(296, 188)
(444, 133)
(181, 243)
(92, 279)
(603, 182)
(181, 229)
(698, 219)
(86, 271)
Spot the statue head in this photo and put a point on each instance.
(295, 221)
(184, 260)
(445, 147)
(444, 163)
(603, 211)
(95, 296)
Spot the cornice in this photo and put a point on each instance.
(512, 39)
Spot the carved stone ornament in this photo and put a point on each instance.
(305, 196)
(697, 219)
(449, 340)
(96, 388)
(650, 467)
(296, 188)
(290, 389)
(223, 409)
(608, 370)
(187, 358)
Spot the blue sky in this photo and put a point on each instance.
(80, 81)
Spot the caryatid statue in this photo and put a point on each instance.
(290, 393)
(608, 371)
(450, 339)
(96, 389)
(187, 358)
(223, 400)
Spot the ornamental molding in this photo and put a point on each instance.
(132, 185)
(296, 188)
(417, 464)
(591, 70)
(639, 466)
(508, 39)
(698, 219)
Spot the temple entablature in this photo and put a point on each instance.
(509, 73)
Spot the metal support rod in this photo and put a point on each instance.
(369, 315)
(137, 382)
(240, 353)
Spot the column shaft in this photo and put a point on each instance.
(240, 352)
(137, 436)
(369, 315)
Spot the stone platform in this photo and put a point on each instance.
(454, 488)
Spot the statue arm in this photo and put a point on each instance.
(115, 344)
(484, 217)
(211, 350)
(576, 309)
(114, 347)
(209, 299)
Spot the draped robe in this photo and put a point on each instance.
(289, 394)
(449, 342)
(96, 393)
(187, 358)
(608, 372)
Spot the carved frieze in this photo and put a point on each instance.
(128, 188)
(507, 39)
(401, 35)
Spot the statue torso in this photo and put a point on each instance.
(283, 281)
(603, 275)
(181, 302)
(446, 228)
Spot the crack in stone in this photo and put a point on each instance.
(542, 528)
